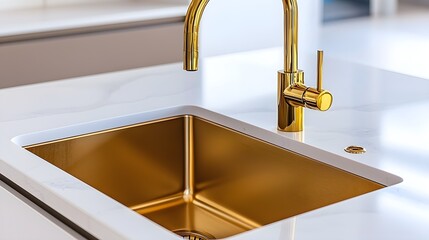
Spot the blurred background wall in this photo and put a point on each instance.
(228, 26)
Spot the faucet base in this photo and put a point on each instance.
(290, 113)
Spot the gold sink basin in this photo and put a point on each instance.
(200, 179)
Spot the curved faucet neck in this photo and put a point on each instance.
(192, 25)
(191, 30)
(291, 36)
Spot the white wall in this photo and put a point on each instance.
(20, 4)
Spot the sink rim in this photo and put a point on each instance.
(340, 162)
(280, 139)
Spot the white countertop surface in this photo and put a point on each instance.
(383, 111)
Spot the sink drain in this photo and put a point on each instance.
(190, 235)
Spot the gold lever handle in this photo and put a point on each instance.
(318, 98)
(319, 70)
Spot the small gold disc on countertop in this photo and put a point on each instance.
(355, 150)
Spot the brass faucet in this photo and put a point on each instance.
(292, 94)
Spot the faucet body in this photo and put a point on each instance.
(292, 94)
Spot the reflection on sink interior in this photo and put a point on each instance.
(191, 175)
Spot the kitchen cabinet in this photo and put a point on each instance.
(21, 219)
(44, 44)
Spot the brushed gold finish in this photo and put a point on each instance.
(192, 175)
(292, 94)
(355, 150)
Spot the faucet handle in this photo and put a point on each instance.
(319, 70)
(318, 98)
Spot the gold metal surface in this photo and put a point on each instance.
(290, 112)
(355, 150)
(191, 30)
(190, 174)
(319, 70)
(192, 235)
(292, 94)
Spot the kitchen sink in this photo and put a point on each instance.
(198, 178)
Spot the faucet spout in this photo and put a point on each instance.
(191, 31)
(291, 36)
(192, 27)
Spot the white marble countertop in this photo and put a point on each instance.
(383, 111)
